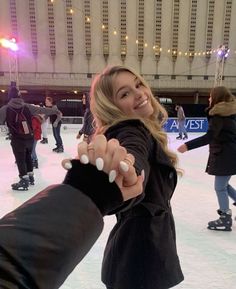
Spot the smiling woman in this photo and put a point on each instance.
(141, 249)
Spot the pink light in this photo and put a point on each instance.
(9, 44)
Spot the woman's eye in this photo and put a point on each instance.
(139, 84)
(124, 94)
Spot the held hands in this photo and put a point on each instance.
(113, 159)
(182, 149)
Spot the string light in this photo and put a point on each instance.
(156, 48)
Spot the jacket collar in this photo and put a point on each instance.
(224, 108)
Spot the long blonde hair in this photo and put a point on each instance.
(106, 113)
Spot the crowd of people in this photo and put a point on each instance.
(125, 152)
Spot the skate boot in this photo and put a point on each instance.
(55, 149)
(31, 178)
(22, 185)
(179, 137)
(224, 223)
(35, 164)
(185, 136)
(60, 150)
(44, 140)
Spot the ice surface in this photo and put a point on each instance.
(208, 258)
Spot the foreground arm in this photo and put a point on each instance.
(43, 240)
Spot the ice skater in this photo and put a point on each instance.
(221, 137)
(181, 122)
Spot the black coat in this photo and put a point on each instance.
(221, 137)
(141, 250)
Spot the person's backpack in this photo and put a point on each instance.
(19, 122)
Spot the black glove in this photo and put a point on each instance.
(95, 184)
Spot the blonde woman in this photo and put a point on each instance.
(141, 249)
(221, 137)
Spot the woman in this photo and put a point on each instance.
(221, 137)
(56, 126)
(141, 249)
(87, 128)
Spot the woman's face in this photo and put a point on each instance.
(131, 96)
(48, 102)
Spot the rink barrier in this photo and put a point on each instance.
(192, 124)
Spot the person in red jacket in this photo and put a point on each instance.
(36, 123)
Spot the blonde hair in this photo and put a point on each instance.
(107, 114)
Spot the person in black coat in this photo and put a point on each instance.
(22, 144)
(141, 250)
(221, 137)
(43, 240)
(87, 129)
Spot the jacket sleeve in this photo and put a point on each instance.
(44, 239)
(214, 128)
(138, 141)
(42, 110)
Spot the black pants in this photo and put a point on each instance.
(22, 149)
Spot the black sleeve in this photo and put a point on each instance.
(95, 184)
(43, 240)
(214, 128)
(135, 137)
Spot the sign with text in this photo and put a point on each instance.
(192, 124)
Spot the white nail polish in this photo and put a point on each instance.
(99, 163)
(67, 165)
(84, 159)
(124, 166)
(112, 176)
(143, 174)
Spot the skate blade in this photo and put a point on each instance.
(219, 228)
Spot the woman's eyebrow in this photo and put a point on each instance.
(124, 86)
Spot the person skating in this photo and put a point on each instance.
(181, 122)
(221, 137)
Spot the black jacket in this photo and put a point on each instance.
(141, 250)
(221, 137)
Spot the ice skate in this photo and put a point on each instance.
(185, 136)
(179, 137)
(31, 179)
(60, 150)
(44, 140)
(224, 223)
(35, 164)
(22, 185)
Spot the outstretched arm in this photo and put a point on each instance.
(44, 239)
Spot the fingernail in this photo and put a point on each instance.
(67, 165)
(84, 159)
(143, 174)
(112, 176)
(124, 166)
(99, 163)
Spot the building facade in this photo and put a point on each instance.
(174, 44)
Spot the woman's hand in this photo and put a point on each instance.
(182, 149)
(113, 159)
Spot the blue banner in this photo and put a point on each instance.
(192, 124)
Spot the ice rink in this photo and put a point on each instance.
(208, 258)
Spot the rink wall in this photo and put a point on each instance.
(192, 124)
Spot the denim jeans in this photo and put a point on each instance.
(33, 154)
(57, 135)
(223, 191)
(182, 129)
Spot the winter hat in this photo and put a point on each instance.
(13, 93)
